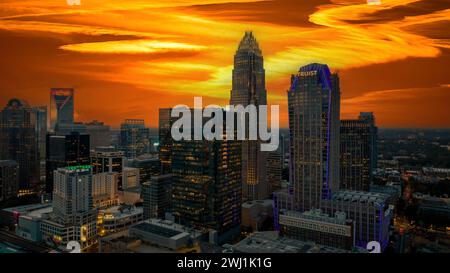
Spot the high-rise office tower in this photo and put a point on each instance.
(9, 179)
(274, 170)
(134, 138)
(148, 165)
(165, 140)
(41, 129)
(157, 195)
(64, 151)
(249, 89)
(207, 185)
(18, 142)
(61, 108)
(369, 117)
(99, 133)
(105, 189)
(313, 102)
(108, 160)
(355, 158)
(74, 217)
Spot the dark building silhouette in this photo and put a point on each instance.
(274, 170)
(100, 133)
(165, 140)
(157, 196)
(369, 117)
(9, 179)
(19, 141)
(207, 185)
(355, 155)
(64, 151)
(134, 138)
(148, 165)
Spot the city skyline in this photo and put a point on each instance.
(388, 63)
(118, 160)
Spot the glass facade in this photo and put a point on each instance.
(134, 138)
(64, 151)
(19, 142)
(165, 140)
(249, 89)
(207, 185)
(313, 103)
(355, 155)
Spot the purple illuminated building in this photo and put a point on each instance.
(314, 126)
(313, 101)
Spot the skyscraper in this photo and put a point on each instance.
(355, 158)
(369, 118)
(313, 102)
(99, 133)
(249, 89)
(148, 165)
(207, 185)
(9, 179)
(18, 141)
(41, 129)
(74, 217)
(64, 151)
(157, 195)
(61, 108)
(134, 138)
(165, 140)
(107, 160)
(274, 171)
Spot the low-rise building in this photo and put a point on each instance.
(271, 242)
(318, 227)
(153, 236)
(118, 218)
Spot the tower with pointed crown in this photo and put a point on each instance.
(249, 88)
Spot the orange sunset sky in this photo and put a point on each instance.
(128, 58)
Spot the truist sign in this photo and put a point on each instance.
(241, 123)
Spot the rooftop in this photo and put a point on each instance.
(250, 204)
(270, 242)
(374, 198)
(317, 215)
(121, 211)
(165, 228)
(28, 208)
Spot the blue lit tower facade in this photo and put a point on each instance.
(249, 89)
(313, 102)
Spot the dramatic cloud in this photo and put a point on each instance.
(137, 56)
